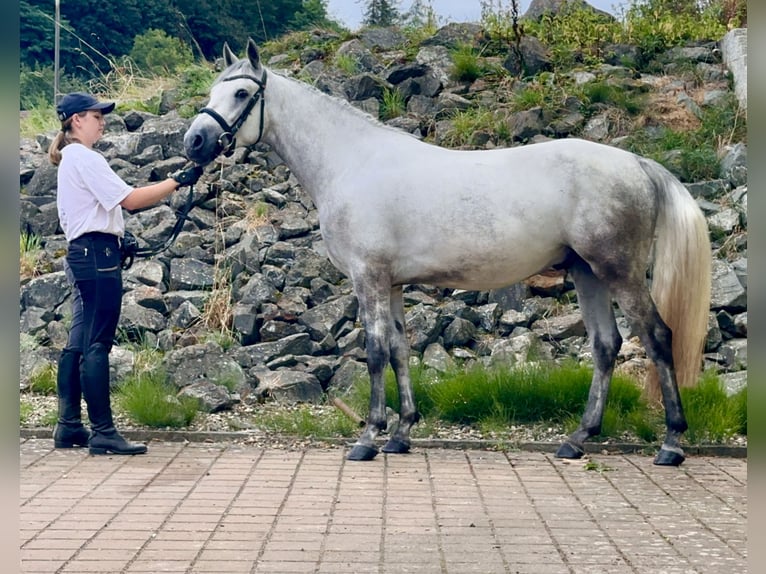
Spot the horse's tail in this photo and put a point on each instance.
(681, 277)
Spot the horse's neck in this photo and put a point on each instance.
(319, 138)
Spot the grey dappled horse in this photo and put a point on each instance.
(394, 210)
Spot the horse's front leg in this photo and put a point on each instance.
(375, 312)
(400, 354)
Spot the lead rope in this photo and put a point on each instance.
(129, 248)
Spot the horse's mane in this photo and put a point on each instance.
(243, 66)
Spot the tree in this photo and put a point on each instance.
(381, 13)
(313, 14)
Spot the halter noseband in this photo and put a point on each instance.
(227, 139)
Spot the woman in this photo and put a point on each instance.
(90, 199)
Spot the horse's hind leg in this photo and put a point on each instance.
(595, 304)
(400, 353)
(655, 335)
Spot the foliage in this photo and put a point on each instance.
(713, 417)
(420, 20)
(30, 255)
(156, 52)
(304, 421)
(465, 124)
(36, 87)
(43, 380)
(693, 155)
(600, 92)
(93, 35)
(502, 23)
(546, 90)
(313, 14)
(393, 104)
(494, 398)
(217, 314)
(577, 34)
(381, 13)
(25, 411)
(148, 399)
(346, 63)
(466, 66)
(657, 25)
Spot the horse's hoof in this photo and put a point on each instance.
(568, 450)
(362, 452)
(395, 446)
(668, 458)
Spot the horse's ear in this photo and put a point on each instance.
(228, 56)
(252, 54)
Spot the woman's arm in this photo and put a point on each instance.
(149, 195)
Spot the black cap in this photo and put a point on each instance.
(77, 102)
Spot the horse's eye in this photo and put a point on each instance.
(241, 94)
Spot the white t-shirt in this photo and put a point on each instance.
(89, 193)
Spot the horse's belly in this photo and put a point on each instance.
(477, 270)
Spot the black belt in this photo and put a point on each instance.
(96, 236)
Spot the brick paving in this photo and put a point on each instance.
(226, 508)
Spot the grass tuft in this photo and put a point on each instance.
(303, 421)
(713, 417)
(150, 400)
(43, 380)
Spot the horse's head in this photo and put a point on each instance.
(234, 114)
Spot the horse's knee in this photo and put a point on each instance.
(377, 357)
(606, 349)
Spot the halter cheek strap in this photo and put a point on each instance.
(227, 139)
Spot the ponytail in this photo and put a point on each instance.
(63, 138)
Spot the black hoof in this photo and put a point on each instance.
(396, 447)
(362, 452)
(668, 458)
(568, 450)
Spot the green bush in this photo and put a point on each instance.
(657, 25)
(575, 35)
(157, 53)
(36, 87)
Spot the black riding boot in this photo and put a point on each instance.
(69, 431)
(95, 381)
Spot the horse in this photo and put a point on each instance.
(396, 210)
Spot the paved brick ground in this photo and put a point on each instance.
(225, 509)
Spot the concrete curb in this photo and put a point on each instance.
(457, 444)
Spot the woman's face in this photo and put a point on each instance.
(88, 127)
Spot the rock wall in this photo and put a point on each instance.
(251, 254)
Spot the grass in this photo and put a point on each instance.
(492, 399)
(30, 255)
(466, 66)
(467, 122)
(605, 93)
(303, 421)
(43, 380)
(25, 411)
(712, 416)
(39, 119)
(393, 104)
(693, 154)
(347, 64)
(151, 401)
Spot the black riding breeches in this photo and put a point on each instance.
(93, 267)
